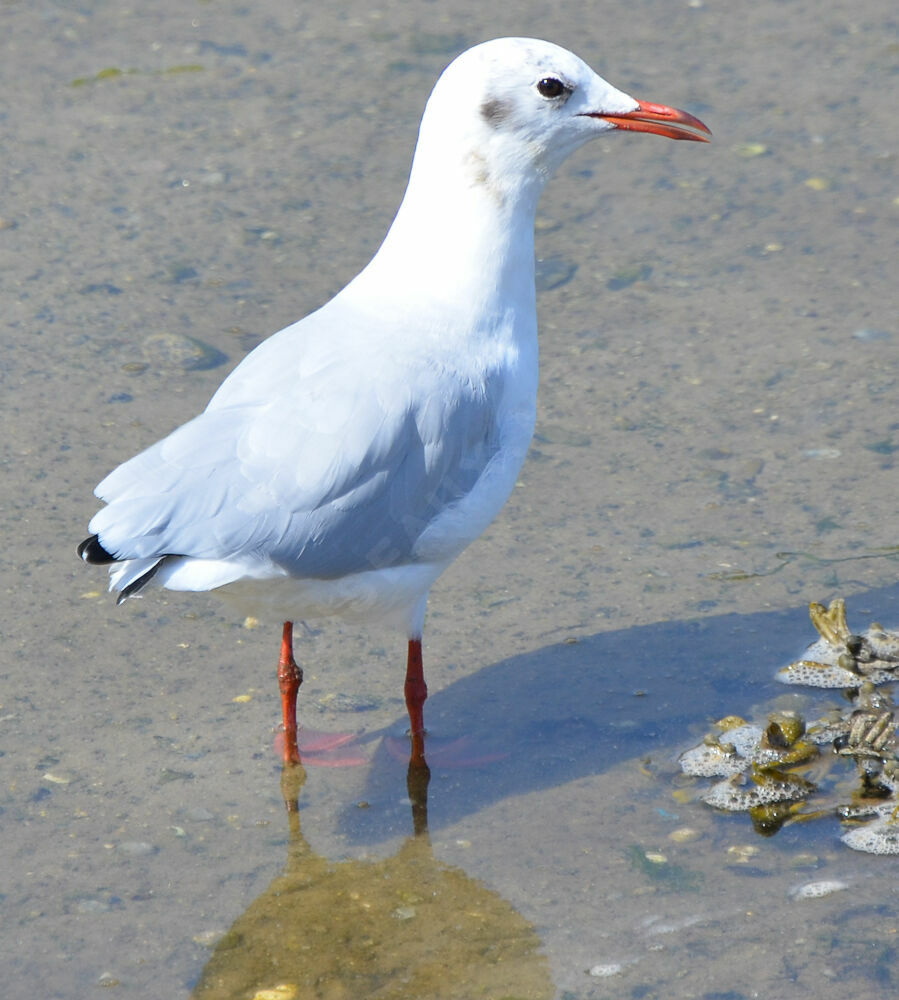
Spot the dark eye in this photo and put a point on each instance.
(551, 87)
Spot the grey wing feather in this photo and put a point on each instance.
(319, 485)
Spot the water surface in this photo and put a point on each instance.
(715, 449)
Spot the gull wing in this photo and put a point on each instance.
(332, 471)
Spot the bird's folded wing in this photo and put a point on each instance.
(339, 475)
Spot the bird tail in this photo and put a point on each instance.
(127, 577)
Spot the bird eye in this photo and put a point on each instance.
(551, 87)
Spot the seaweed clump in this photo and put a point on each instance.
(776, 772)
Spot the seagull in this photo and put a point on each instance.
(351, 457)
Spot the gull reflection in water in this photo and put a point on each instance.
(408, 927)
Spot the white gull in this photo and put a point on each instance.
(345, 463)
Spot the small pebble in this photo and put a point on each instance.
(742, 852)
(284, 991)
(684, 835)
(135, 848)
(544, 225)
(868, 334)
(93, 905)
(177, 352)
(340, 702)
(814, 890)
(731, 722)
(208, 938)
(553, 272)
(56, 779)
(198, 814)
(750, 149)
(628, 275)
(168, 774)
(606, 969)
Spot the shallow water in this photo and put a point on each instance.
(715, 449)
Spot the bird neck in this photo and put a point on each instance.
(463, 237)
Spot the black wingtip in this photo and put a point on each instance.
(92, 551)
(138, 585)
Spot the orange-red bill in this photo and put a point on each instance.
(659, 119)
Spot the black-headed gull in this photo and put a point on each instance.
(345, 463)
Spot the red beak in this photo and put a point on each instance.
(660, 120)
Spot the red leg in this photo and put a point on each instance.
(290, 677)
(453, 754)
(416, 692)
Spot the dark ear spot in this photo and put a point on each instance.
(495, 111)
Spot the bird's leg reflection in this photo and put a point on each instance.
(417, 779)
(293, 777)
(290, 677)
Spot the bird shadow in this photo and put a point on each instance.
(574, 709)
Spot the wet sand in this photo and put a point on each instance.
(715, 449)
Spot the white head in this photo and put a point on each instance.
(514, 108)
